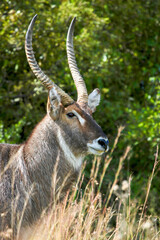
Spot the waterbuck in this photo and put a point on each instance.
(61, 140)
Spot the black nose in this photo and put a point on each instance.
(104, 143)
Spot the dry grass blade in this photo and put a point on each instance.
(148, 191)
(117, 173)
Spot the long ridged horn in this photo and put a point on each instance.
(79, 82)
(65, 98)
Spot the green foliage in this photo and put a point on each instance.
(118, 50)
(145, 120)
(12, 134)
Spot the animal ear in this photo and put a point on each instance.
(54, 104)
(94, 99)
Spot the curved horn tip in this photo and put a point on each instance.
(70, 31)
(31, 25)
(73, 23)
(33, 20)
(35, 16)
(74, 19)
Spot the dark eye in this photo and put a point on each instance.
(70, 115)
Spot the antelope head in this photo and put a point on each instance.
(77, 131)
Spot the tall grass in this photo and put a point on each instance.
(86, 215)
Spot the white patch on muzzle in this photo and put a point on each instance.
(95, 148)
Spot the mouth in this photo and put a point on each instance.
(97, 150)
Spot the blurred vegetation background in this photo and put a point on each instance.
(117, 45)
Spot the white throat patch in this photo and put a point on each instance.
(75, 162)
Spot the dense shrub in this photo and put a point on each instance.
(118, 50)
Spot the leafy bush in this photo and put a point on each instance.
(118, 50)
